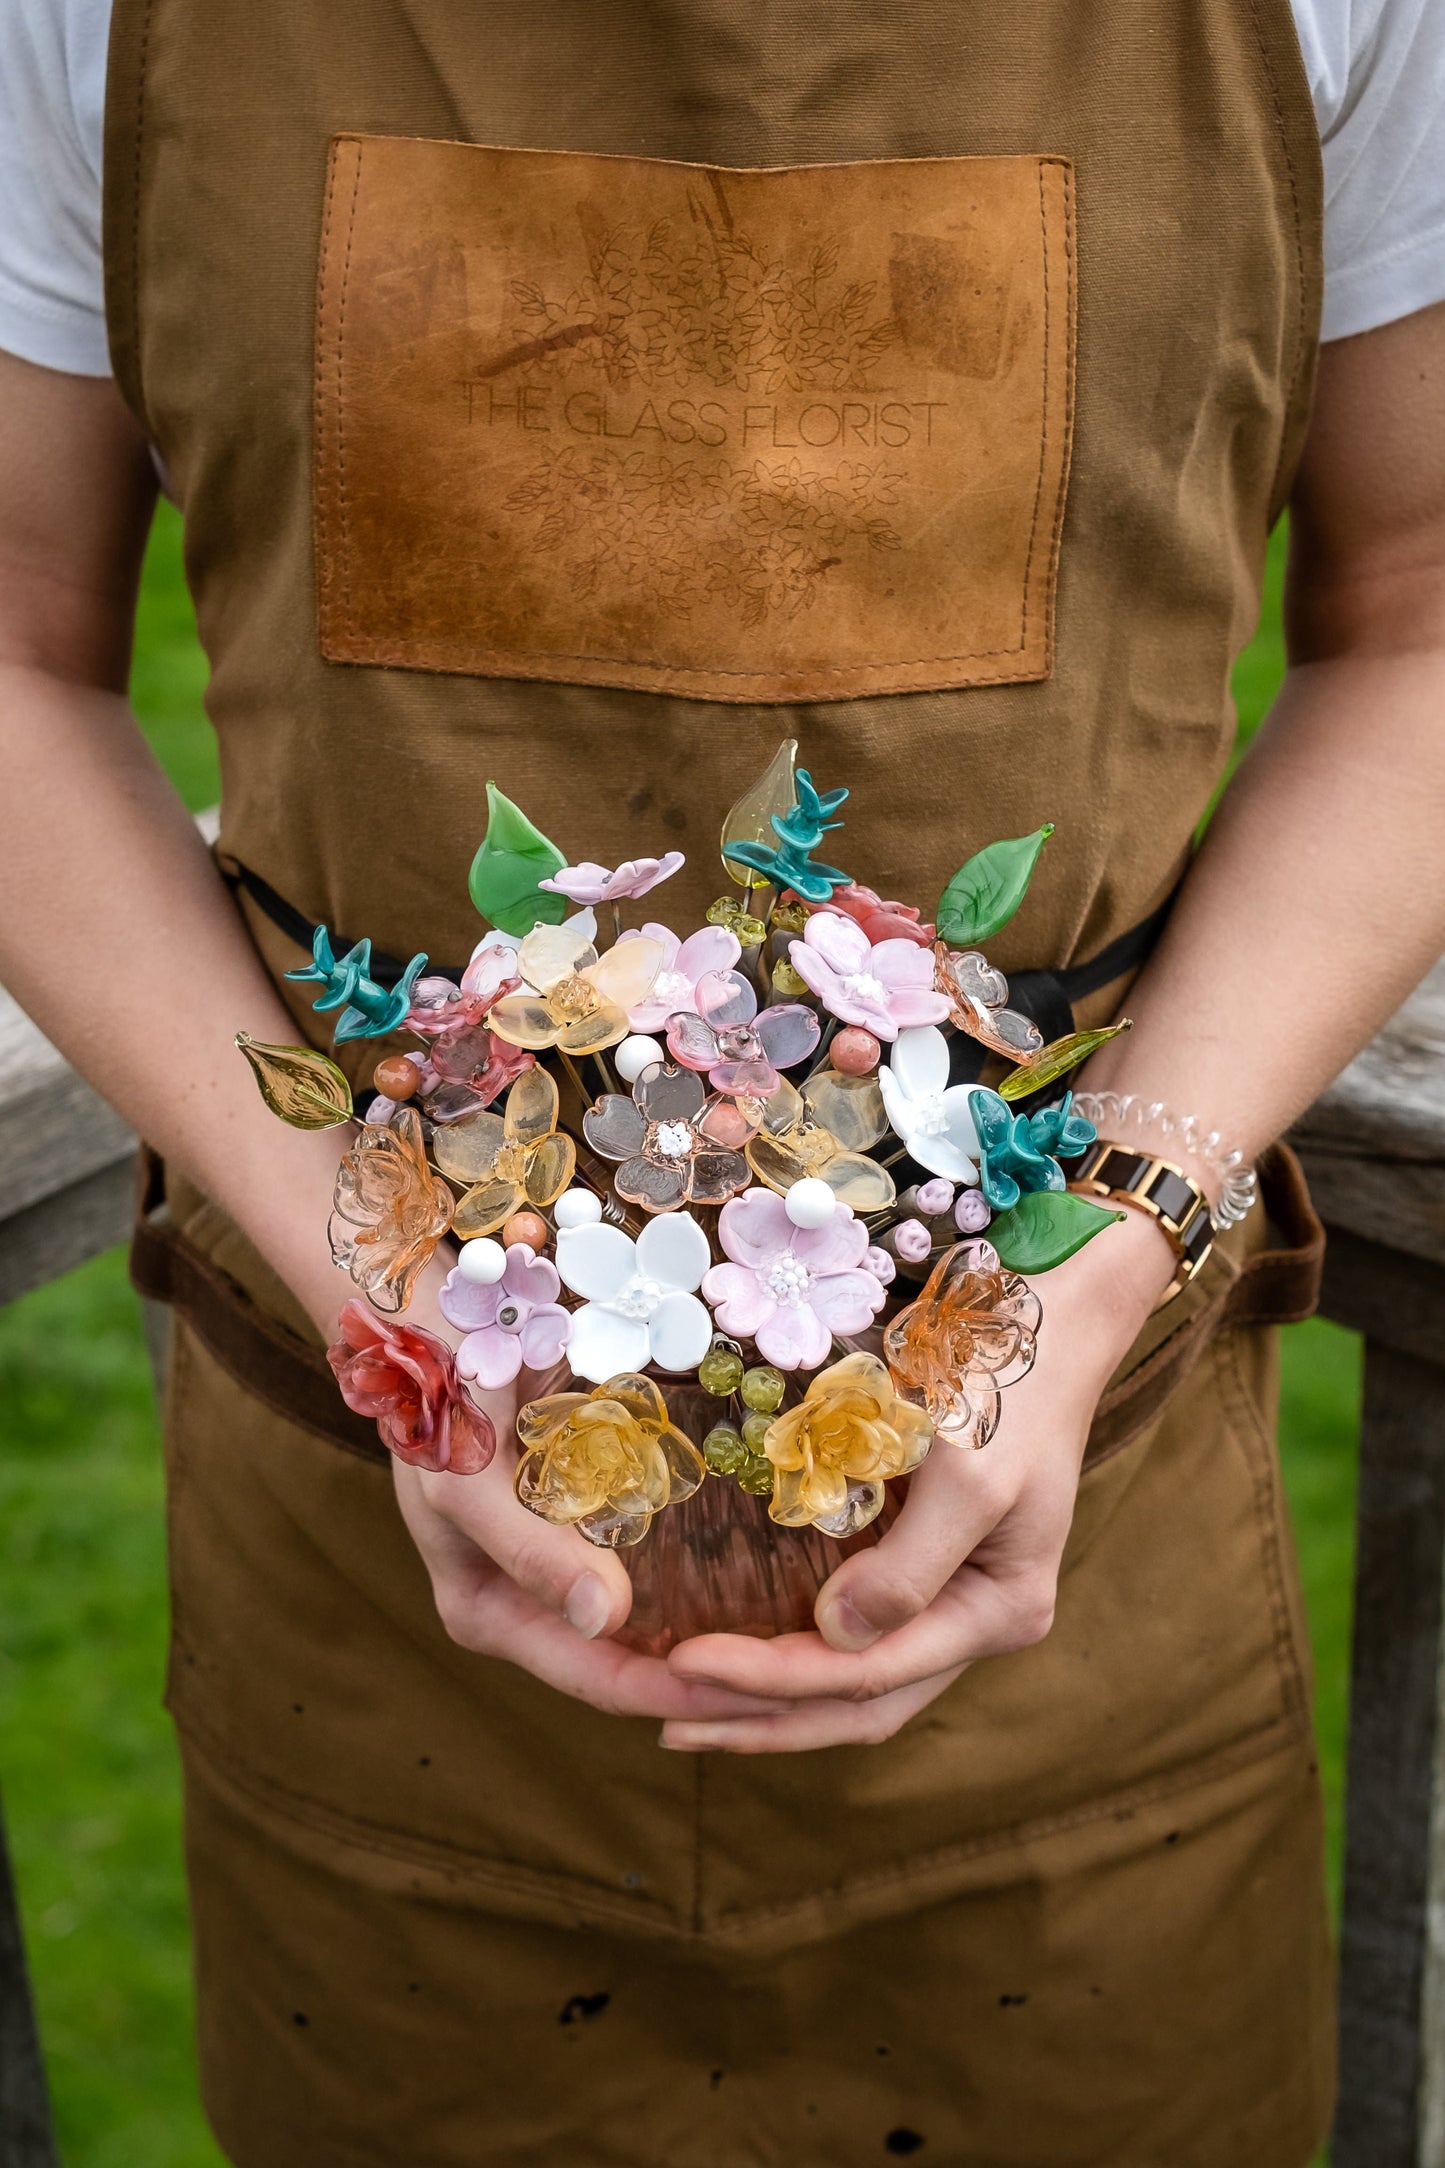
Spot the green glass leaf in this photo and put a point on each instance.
(1045, 1227)
(984, 894)
(303, 1087)
(511, 859)
(1058, 1058)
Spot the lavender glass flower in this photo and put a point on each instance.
(742, 1052)
(590, 883)
(515, 1320)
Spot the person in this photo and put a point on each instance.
(1016, 1856)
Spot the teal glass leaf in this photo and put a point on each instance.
(985, 893)
(1045, 1227)
(511, 859)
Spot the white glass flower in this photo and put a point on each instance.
(930, 1115)
(640, 1302)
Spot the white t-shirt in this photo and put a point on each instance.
(1376, 71)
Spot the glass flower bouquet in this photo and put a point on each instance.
(736, 1218)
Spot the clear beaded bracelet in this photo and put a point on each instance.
(1123, 1116)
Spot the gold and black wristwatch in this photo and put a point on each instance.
(1158, 1187)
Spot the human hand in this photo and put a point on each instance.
(970, 1566)
(507, 1584)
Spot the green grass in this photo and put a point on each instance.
(86, 1755)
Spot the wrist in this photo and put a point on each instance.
(1108, 1289)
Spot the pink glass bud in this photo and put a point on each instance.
(881, 1265)
(912, 1240)
(935, 1198)
(854, 1051)
(971, 1213)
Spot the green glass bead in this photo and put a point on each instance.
(788, 982)
(724, 912)
(755, 1429)
(756, 1475)
(762, 1389)
(720, 1371)
(751, 932)
(724, 1451)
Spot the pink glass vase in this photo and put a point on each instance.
(716, 1563)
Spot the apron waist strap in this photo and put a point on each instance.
(1047, 998)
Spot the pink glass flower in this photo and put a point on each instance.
(438, 1005)
(880, 921)
(515, 1320)
(472, 1066)
(406, 1380)
(790, 1288)
(589, 883)
(714, 948)
(741, 1050)
(886, 987)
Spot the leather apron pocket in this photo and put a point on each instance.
(791, 434)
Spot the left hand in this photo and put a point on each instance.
(970, 1567)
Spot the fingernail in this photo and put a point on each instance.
(695, 1745)
(844, 1625)
(588, 1606)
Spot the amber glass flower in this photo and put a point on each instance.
(836, 1449)
(389, 1210)
(676, 1145)
(825, 1129)
(509, 1161)
(606, 1461)
(970, 1333)
(573, 998)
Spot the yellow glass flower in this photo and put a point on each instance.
(574, 998)
(825, 1130)
(511, 1160)
(604, 1462)
(835, 1450)
(389, 1210)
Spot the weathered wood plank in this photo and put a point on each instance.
(1374, 1143)
(27, 2139)
(1394, 1694)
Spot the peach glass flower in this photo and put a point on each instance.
(977, 997)
(835, 1450)
(604, 1462)
(675, 1144)
(574, 998)
(508, 1161)
(389, 1210)
(970, 1333)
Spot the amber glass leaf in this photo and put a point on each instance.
(303, 1087)
(1057, 1059)
(751, 819)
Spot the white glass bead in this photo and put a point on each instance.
(636, 1054)
(810, 1203)
(577, 1208)
(482, 1261)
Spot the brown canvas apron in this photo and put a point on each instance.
(464, 333)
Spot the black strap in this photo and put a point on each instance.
(1046, 997)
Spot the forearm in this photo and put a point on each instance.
(118, 937)
(1316, 903)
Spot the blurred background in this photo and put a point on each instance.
(87, 1762)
